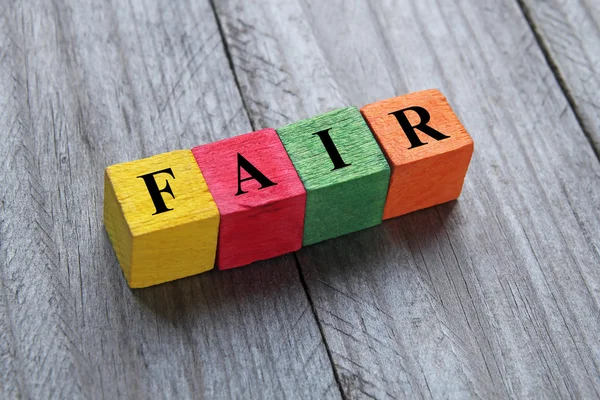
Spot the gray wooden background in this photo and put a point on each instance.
(496, 295)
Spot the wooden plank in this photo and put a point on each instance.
(495, 295)
(570, 33)
(84, 85)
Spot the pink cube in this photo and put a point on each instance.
(259, 196)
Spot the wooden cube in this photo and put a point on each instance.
(161, 218)
(427, 147)
(259, 195)
(343, 170)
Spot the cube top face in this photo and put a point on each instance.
(259, 195)
(248, 171)
(390, 120)
(343, 170)
(357, 151)
(161, 192)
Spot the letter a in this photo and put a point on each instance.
(254, 174)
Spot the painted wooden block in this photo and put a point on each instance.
(343, 170)
(260, 197)
(161, 218)
(427, 147)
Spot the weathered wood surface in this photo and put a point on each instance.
(570, 33)
(496, 295)
(84, 85)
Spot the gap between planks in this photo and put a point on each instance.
(297, 261)
(556, 72)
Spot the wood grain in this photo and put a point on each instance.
(84, 85)
(569, 32)
(346, 185)
(494, 296)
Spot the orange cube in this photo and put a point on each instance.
(426, 146)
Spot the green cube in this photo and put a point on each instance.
(344, 172)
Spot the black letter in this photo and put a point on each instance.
(333, 152)
(409, 130)
(254, 174)
(154, 191)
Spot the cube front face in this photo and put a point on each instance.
(161, 218)
(260, 197)
(344, 172)
(427, 146)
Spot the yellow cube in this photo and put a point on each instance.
(161, 218)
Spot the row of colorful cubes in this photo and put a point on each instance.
(270, 192)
